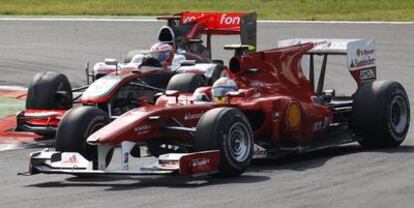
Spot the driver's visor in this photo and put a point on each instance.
(221, 91)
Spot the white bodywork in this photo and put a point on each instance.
(101, 68)
(204, 68)
(102, 87)
(207, 69)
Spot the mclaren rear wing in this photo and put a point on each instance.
(219, 23)
(360, 55)
(187, 27)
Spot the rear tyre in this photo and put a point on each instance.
(130, 55)
(49, 90)
(218, 71)
(186, 82)
(381, 114)
(227, 130)
(75, 128)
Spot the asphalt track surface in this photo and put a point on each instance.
(346, 176)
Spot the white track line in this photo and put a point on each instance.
(152, 19)
(5, 147)
(12, 87)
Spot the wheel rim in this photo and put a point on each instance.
(240, 142)
(62, 101)
(398, 114)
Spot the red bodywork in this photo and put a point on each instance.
(271, 83)
(217, 23)
(45, 121)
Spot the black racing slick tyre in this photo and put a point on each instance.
(76, 126)
(186, 82)
(228, 130)
(130, 55)
(49, 90)
(381, 114)
(218, 71)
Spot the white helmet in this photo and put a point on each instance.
(161, 51)
(221, 87)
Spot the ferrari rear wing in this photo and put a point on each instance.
(360, 55)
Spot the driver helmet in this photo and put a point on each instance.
(221, 87)
(161, 51)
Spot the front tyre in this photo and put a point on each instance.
(227, 130)
(381, 114)
(75, 128)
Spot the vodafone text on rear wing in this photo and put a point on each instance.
(192, 24)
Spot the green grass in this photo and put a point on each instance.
(379, 10)
(10, 106)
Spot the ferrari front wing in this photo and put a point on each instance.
(184, 164)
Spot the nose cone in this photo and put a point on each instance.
(120, 129)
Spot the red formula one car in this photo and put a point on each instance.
(118, 87)
(275, 110)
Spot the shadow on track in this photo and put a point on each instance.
(300, 162)
(130, 183)
(303, 162)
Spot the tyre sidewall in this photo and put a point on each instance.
(371, 114)
(213, 134)
(76, 126)
(392, 92)
(42, 92)
(225, 146)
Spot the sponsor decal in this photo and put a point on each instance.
(364, 52)
(317, 126)
(229, 20)
(293, 116)
(367, 74)
(168, 164)
(142, 129)
(201, 164)
(327, 121)
(360, 63)
(323, 44)
(226, 19)
(276, 114)
(72, 160)
(259, 152)
(364, 57)
(188, 19)
(125, 160)
(189, 116)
